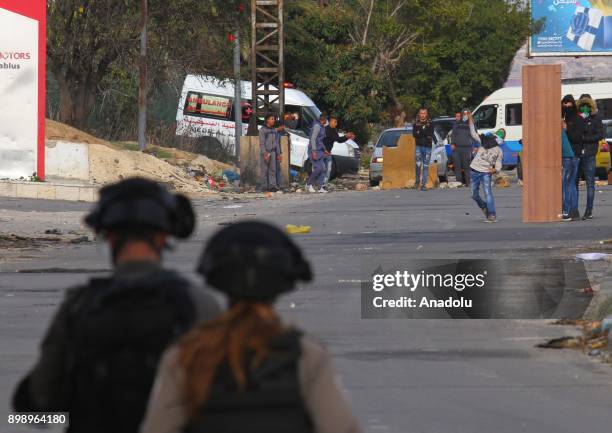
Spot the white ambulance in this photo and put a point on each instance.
(206, 109)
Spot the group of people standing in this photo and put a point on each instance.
(582, 130)
(145, 350)
(321, 138)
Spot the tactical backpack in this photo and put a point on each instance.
(119, 330)
(271, 403)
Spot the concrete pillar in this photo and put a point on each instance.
(249, 161)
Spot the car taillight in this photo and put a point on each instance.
(378, 160)
(605, 147)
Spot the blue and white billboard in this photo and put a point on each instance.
(572, 27)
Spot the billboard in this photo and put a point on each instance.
(22, 88)
(572, 28)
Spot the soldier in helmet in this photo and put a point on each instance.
(246, 370)
(100, 354)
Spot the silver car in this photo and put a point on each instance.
(390, 137)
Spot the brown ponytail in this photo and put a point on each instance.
(245, 327)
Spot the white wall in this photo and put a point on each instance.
(18, 95)
(64, 160)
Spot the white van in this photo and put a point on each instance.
(504, 109)
(206, 109)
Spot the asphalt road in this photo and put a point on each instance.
(421, 376)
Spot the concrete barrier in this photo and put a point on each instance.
(67, 161)
(48, 191)
(399, 166)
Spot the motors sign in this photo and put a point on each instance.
(22, 88)
(572, 28)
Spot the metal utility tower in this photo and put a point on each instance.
(267, 60)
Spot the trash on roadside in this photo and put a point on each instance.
(230, 176)
(295, 230)
(361, 187)
(563, 343)
(80, 240)
(593, 256)
(502, 182)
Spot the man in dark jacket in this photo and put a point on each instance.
(574, 127)
(423, 132)
(331, 137)
(99, 357)
(270, 154)
(462, 146)
(316, 155)
(592, 134)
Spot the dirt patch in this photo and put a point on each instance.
(112, 162)
(20, 242)
(108, 165)
(60, 131)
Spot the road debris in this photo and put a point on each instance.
(595, 336)
(294, 230)
(593, 256)
(502, 181)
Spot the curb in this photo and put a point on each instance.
(48, 191)
(601, 304)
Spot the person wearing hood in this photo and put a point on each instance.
(592, 134)
(486, 163)
(247, 370)
(573, 127)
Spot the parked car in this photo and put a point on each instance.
(603, 159)
(603, 162)
(390, 138)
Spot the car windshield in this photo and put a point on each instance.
(390, 138)
(609, 131)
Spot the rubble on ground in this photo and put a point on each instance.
(594, 339)
(180, 170)
(502, 181)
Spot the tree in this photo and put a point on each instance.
(464, 53)
(387, 30)
(88, 41)
(83, 40)
(323, 60)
